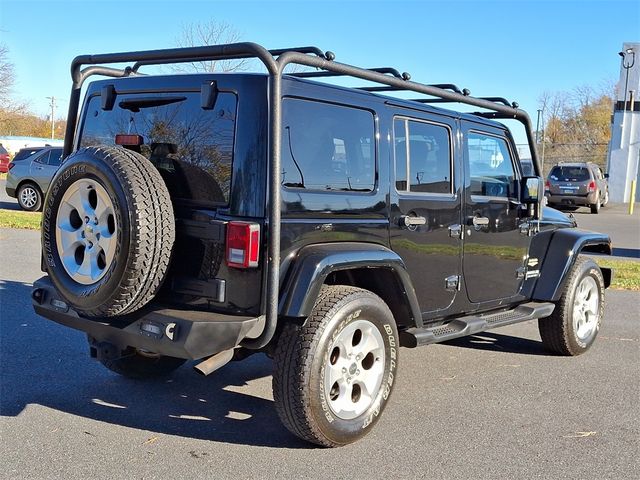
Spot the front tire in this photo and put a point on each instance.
(574, 324)
(334, 374)
(29, 197)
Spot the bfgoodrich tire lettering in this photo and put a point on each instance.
(144, 228)
(304, 352)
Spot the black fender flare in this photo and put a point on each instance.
(565, 246)
(312, 264)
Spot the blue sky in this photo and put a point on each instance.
(515, 49)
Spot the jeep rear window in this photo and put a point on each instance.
(327, 147)
(569, 174)
(191, 147)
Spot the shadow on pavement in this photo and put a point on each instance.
(500, 343)
(46, 364)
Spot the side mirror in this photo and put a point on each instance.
(532, 195)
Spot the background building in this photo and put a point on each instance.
(624, 148)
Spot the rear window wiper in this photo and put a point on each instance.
(135, 104)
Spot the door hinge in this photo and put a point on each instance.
(452, 283)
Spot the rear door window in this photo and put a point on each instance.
(190, 146)
(327, 147)
(54, 157)
(422, 157)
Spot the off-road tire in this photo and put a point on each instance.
(144, 226)
(596, 207)
(31, 187)
(558, 331)
(138, 365)
(300, 362)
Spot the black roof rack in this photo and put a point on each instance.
(384, 70)
(443, 86)
(275, 61)
(276, 52)
(501, 100)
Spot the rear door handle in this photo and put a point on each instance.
(410, 221)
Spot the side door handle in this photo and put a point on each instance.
(480, 222)
(411, 221)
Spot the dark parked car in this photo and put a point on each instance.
(29, 177)
(577, 184)
(208, 217)
(4, 159)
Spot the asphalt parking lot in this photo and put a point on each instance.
(490, 406)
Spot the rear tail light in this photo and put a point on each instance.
(243, 244)
(11, 165)
(547, 185)
(592, 186)
(129, 140)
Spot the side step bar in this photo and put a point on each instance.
(461, 327)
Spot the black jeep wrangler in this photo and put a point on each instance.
(206, 217)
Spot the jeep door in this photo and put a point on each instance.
(495, 250)
(425, 203)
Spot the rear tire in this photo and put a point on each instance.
(574, 324)
(334, 374)
(596, 208)
(108, 231)
(29, 197)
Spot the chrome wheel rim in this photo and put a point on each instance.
(586, 307)
(86, 231)
(28, 197)
(354, 369)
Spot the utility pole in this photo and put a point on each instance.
(53, 112)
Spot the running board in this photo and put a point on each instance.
(461, 327)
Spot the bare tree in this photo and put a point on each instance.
(7, 76)
(209, 33)
(9, 108)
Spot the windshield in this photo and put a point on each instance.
(192, 147)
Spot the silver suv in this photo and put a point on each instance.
(577, 184)
(29, 177)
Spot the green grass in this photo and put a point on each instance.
(626, 273)
(20, 219)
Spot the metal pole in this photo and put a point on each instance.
(53, 112)
(538, 126)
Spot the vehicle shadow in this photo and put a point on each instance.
(44, 363)
(497, 342)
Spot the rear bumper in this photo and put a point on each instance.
(189, 334)
(584, 200)
(10, 191)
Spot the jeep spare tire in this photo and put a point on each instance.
(107, 231)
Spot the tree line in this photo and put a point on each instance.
(576, 125)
